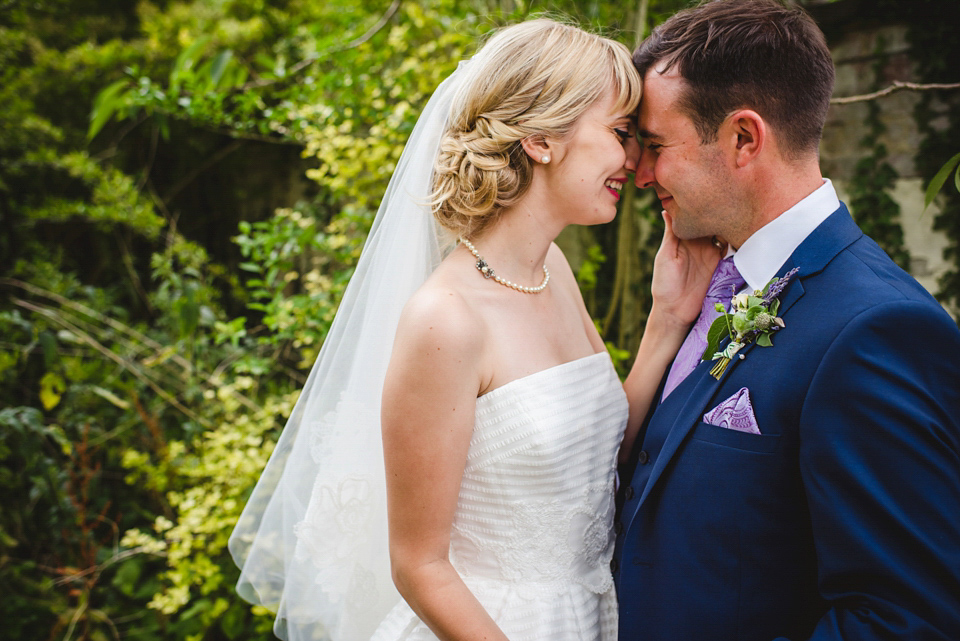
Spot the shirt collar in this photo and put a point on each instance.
(765, 252)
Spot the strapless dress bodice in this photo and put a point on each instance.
(533, 532)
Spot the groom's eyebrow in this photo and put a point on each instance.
(646, 133)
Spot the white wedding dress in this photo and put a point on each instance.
(533, 532)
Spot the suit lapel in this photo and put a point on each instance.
(836, 233)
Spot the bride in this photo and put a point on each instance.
(501, 413)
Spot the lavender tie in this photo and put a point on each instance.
(725, 282)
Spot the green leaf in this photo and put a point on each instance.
(763, 340)
(164, 126)
(220, 64)
(185, 62)
(714, 335)
(232, 622)
(52, 387)
(48, 343)
(105, 105)
(188, 312)
(265, 61)
(128, 576)
(937, 183)
(774, 306)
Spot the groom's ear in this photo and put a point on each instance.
(747, 134)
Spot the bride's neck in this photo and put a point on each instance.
(517, 244)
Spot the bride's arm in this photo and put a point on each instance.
(681, 274)
(429, 400)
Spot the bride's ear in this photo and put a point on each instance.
(538, 148)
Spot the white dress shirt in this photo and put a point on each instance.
(763, 254)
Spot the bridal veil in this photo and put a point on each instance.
(312, 540)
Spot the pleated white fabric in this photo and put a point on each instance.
(533, 532)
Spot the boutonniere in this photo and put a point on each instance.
(752, 317)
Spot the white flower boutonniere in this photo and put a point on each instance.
(753, 317)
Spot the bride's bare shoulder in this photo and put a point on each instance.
(439, 317)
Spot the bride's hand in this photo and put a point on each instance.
(681, 274)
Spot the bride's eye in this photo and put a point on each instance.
(622, 134)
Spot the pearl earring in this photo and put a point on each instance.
(545, 159)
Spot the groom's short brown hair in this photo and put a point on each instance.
(764, 55)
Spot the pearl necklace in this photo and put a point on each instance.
(488, 272)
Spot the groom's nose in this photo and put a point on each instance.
(644, 177)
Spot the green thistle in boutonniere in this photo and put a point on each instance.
(752, 317)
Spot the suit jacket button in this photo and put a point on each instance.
(618, 527)
(643, 457)
(613, 565)
(628, 493)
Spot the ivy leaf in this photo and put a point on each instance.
(937, 183)
(714, 335)
(763, 340)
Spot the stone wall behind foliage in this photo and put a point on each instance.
(855, 53)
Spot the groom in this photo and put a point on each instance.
(811, 490)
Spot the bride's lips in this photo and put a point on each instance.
(614, 187)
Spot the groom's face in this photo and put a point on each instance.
(691, 178)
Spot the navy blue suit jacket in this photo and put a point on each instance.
(841, 520)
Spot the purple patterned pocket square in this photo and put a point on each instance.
(735, 413)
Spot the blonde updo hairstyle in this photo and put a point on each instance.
(535, 78)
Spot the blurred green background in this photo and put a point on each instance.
(184, 190)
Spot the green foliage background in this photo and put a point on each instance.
(185, 187)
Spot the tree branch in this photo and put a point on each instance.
(309, 60)
(384, 19)
(896, 86)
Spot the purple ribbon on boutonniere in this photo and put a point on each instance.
(753, 317)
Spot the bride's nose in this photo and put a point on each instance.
(632, 148)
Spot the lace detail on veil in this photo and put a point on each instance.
(332, 535)
(336, 529)
(339, 425)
